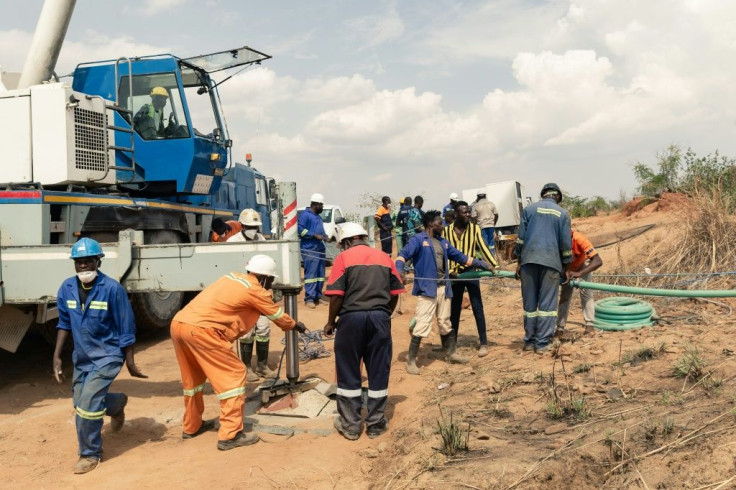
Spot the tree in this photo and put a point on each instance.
(653, 182)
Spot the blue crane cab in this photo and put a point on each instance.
(171, 139)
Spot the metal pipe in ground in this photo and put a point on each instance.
(292, 341)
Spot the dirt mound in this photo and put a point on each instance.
(667, 203)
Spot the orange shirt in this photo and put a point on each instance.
(582, 250)
(232, 304)
(235, 228)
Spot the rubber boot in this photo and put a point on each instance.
(411, 358)
(262, 355)
(246, 352)
(450, 344)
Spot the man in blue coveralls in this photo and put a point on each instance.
(96, 310)
(544, 248)
(312, 235)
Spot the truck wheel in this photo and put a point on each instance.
(156, 309)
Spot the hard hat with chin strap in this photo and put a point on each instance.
(350, 230)
(262, 264)
(318, 198)
(86, 247)
(249, 217)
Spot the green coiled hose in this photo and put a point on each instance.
(621, 313)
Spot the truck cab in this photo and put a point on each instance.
(170, 136)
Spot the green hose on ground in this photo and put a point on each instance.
(679, 293)
(620, 313)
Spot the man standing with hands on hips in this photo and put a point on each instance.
(95, 309)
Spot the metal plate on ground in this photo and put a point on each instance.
(308, 404)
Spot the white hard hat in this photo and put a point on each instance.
(350, 230)
(317, 197)
(261, 264)
(453, 196)
(249, 217)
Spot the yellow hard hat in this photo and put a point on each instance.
(159, 91)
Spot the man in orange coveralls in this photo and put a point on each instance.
(203, 333)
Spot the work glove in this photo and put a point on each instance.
(300, 327)
(482, 264)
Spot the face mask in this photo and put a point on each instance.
(250, 234)
(87, 276)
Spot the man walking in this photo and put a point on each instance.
(485, 215)
(431, 255)
(95, 309)
(585, 260)
(466, 237)
(312, 235)
(202, 334)
(250, 221)
(363, 288)
(383, 221)
(545, 250)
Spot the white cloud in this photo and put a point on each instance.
(154, 7)
(376, 118)
(336, 91)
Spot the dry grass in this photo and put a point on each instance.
(704, 243)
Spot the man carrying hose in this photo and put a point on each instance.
(544, 249)
(585, 260)
(432, 254)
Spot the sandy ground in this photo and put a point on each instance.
(501, 402)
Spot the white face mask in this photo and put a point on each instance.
(87, 276)
(250, 234)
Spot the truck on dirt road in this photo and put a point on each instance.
(133, 152)
(510, 198)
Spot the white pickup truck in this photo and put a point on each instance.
(332, 217)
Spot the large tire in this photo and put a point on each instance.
(155, 310)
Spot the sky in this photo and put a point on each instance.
(406, 97)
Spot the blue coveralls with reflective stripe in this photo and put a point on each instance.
(101, 328)
(313, 254)
(544, 245)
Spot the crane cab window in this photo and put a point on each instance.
(158, 112)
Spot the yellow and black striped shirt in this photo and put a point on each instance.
(470, 243)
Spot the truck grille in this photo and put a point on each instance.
(90, 140)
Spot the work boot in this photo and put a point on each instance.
(207, 425)
(240, 440)
(411, 358)
(483, 351)
(85, 465)
(262, 356)
(376, 430)
(246, 352)
(117, 421)
(350, 436)
(450, 343)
